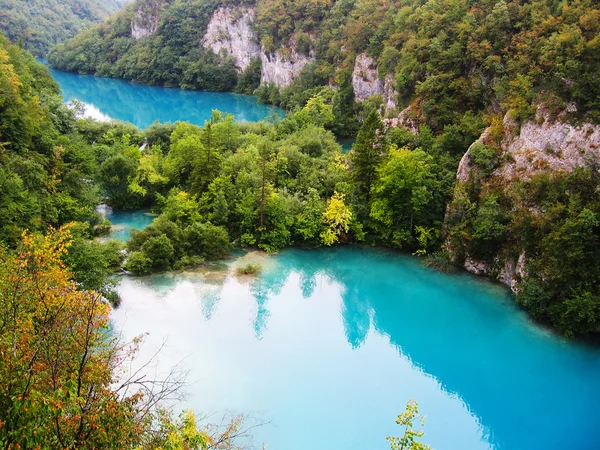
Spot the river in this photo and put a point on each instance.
(328, 345)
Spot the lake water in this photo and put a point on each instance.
(107, 98)
(328, 345)
(125, 221)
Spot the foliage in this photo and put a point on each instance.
(249, 269)
(409, 440)
(39, 25)
(93, 262)
(44, 167)
(404, 199)
(56, 372)
(337, 219)
(366, 154)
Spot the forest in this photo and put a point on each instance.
(460, 66)
(39, 25)
(64, 375)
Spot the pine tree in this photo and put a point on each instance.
(369, 149)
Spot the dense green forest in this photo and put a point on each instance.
(40, 24)
(65, 379)
(454, 61)
(459, 65)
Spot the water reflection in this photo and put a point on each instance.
(486, 377)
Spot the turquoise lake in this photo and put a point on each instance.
(327, 346)
(107, 98)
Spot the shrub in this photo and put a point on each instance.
(249, 269)
(138, 263)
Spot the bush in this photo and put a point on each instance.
(439, 261)
(249, 269)
(160, 252)
(139, 264)
(484, 158)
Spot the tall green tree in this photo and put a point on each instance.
(368, 151)
(403, 197)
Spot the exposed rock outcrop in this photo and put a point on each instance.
(365, 78)
(229, 32)
(145, 21)
(405, 119)
(544, 145)
(540, 145)
(366, 82)
(281, 68)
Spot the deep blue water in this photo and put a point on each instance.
(108, 98)
(330, 344)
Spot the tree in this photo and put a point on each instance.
(366, 154)
(56, 370)
(308, 222)
(403, 196)
(409, 440)
(337, 218)
(115, 176)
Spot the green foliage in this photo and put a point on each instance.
(366, 154)
(410, 439)
(93, 263)
(43, 170)
(38, 31)
(249, 269)
(249, 80)
(484, 158)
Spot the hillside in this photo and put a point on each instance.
(452, 61)
(507, 93)
(41, 24)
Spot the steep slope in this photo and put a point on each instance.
(442, 72)
(445, 57)
(41, 24)
(526, 211)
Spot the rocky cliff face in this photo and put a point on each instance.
(540, 145)
(145, 20)
(282, 67)
(366, 82)
(230, 33)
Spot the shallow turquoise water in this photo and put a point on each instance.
(346, 144)
(125, 221)
(108, 98)
(330, 344)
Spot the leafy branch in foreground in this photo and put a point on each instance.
(66, 380)
(409, 440)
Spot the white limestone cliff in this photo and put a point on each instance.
(145, 21)
(540, 145)
(282, 67)
(366, 83)
(230, 32)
